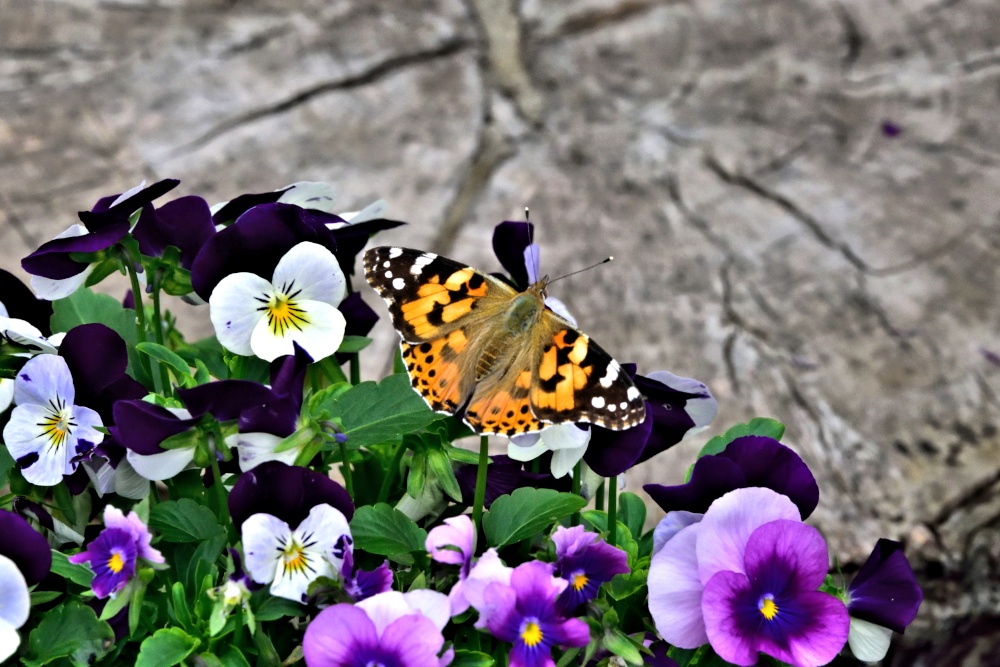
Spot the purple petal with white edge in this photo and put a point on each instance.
(730, 521)
(675, 591)
(52, 259)
(115, 518)
(287, 492)
(234, 309)
(788, 554)
(511, 240)
(413, 641)
(702, 408)
(264, 537)
(320, 331)
(885, 591)
(19, 302)
(142, 426)
(456, 532)
(311, 273)
(337, 636)
(766, 462)
(44, 378)
(26, 547)
(671, 524)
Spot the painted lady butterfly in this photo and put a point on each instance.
(475, 346)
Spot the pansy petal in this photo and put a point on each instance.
(9, 640)
(373, 211)
(320, 335)
(511, 239)
(885, 591)
(675, 591)
(768, 463)
(822, 628)
(263, 538)
(868, 642)
(6, 393)
(256, 448)
(671, 524)
(726, 603)
(311, 273)
(456, 532)
(29, 443)
(413, 641)
(564, 460)
(25, 546)
(53, 289)
(158, 467)
(730, 521)
(237, 304)
(87, 422)
(431, 604)
(326, 642)
(315, 195)
(799, 549)
(385, 608)
(44, 378)
(15, 601)
(287, 492)
(323, 528)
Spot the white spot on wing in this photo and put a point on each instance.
(395, 252)
(610, 376)
(398, 283)
(388, 274)
(632, 393)
(420, 262)
(597, 402)
(623, 405)
(611, 408)
(386, 263)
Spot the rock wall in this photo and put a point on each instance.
(801, 196)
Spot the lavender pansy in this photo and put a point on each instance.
(361, 584)
(525, 613)
(488, 570)
(114, 555)
(454, 543)
(398, 629)
(747, 461)
(586, 562)
(883, 598)
(675, 408)
(254, 316)
(46, 428)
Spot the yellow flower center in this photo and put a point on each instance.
(116, 563)
(296, 558)
(284, 314)
(768, 608)
(56, 426)
(579, 581)
(531, 634)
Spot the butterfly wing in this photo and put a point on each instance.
(575, 380)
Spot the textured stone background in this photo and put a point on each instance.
(772, 240)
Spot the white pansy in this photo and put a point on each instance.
(15, 604)
(567, 442)
(253, 316)
(290, 559)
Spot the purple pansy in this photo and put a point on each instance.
(287, 492)
(526, 614)
(751, 460)
(675, 408)
(54, 273)
(745, 579)
(454, 543)
(883, 598)
(585, 561)
(397, 629)
(25, 559)
(114, 554)
(185, 223)
(46, 428)
(17, 301)
(362, 584)
(488, 570)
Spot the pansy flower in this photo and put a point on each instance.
(185, 223)
(883, 598)
(115, 554)
(526, 614)
(54, 272)
(586, 562)
(254, 316)
(25, 559)
(46, 428)
(454, 543)
(357, 583)
(745, 579)
(398, 629)
(291, 520)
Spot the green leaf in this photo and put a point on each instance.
(759, 426)
(71, 631)
(525, 512)
(166, 647)
(6, 465)
(230, 656)
(465, 658)
(184, 520)
(385, 531)
(623, 646)
(78, 574)
(373, 413)
(210, 352)
(165, 356)
(41, 597)
(625, 585)
(354, 344)
(632, 512)
(440, 466)
(273, 608)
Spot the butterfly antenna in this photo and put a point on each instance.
(592, 266)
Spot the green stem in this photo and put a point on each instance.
(599, 498)
(612, 510)
(567, 657)
(158, 326)
(577, 475)
(480, 497)
(355, 368)
(220, 493)
(390, 473)
(345, 468)
(140, 316)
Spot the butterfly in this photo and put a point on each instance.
(476, 347)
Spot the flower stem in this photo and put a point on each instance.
(612, 510)
(345, 468)
(577, 474)
(220, 493)
(480, 497)
(390, 473)
(140, 317)
(599, 498)
(355, 368)
(158, 326)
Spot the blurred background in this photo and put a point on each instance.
(801, 196)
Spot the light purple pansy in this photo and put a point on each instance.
(454, 543)
(115, 553)
(398, 629)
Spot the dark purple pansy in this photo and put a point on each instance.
(586, 562)
(361, 584)
(512, 244)
(749, 461)
(97, 358)
(505, 475)
(885, 590)
(185, 223)
(20, 303)
(674, 406)
(25, 546)
(112, 556)
(278, 412)
(286, 492)
(106, 225)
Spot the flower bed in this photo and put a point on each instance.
(170, 502)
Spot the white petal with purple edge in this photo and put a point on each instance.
(256, 448)
(25, 434)
(158, 467)
(868, 642)
(43, 379)
(320, 335)
(263, 539)
(235, 308)
(310, 272)
(731, 520)
(316, 195)
(308, 553)
(15, 600)
(675, 591)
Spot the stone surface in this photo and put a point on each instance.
(772, 238)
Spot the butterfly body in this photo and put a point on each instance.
(474, 345)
